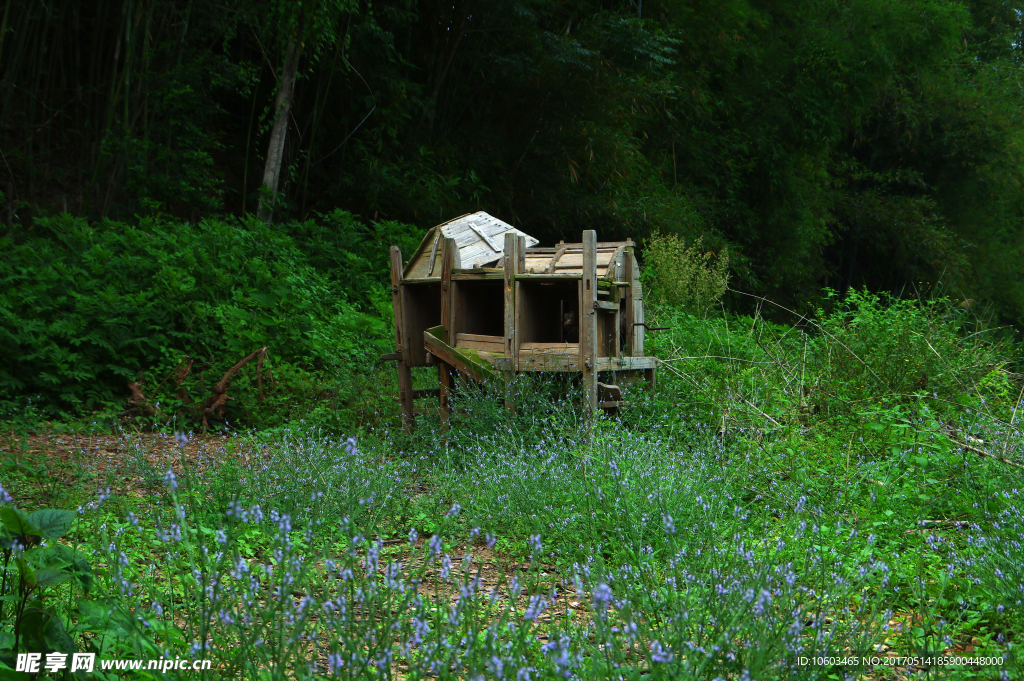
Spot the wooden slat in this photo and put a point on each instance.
(573, 348)
(605, 305)
(588, 318)
(638, 316)
(433, 253)
(448, 251)
(446, 354)
(480, 337)
(539, 360)
(494, 344)
(511, 265)
(494, 348)
(626, 363)
(404, 373)
(627, 274)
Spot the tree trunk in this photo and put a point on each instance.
(282, 106)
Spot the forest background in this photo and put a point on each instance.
(825, 145)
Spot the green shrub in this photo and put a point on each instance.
(86, 307)
(684, 276)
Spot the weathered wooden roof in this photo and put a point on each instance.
(480, 238)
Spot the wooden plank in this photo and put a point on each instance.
(433, 253)
(448, 292)
(480, 337)
(444, 353)
(492, 344)
(627, 274)
(511, 264)
(404, 373)
(572, 348)
(588, 318)
(485, 237)
(626, 363)
(575, 260)
(609, 391)
(638, 316)
(534, 360)
(605, 305)
(561, 276)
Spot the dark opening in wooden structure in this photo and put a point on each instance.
(480, 299)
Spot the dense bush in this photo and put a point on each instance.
(87, 306)
(685, 276)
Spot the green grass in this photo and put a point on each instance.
(787, 493)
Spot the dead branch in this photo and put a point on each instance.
(981, 452)
(219, 399)
(137, 402)
(180, 375)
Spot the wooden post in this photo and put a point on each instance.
(404, 372)
(588, 318)
(448, 302)
(638, 315)
(628, 306)
(511, 267)
(449, 315)
(445, 376)
(652, 378)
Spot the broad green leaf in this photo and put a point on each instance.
(18, 523)
(28, 575)
(57, 637)
(53, 522)
(8, 674)
(51, 576)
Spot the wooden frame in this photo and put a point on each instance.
(448, 316)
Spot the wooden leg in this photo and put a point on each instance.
(405, 396)
(445, 379)
(652, 378)
(510, 403)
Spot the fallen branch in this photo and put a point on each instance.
(219, 399)
(982, 452)
(180, 375)
(137, 402)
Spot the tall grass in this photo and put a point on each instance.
(775, 502)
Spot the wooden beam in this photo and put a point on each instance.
(511, 263)
(588, 318)
(433, 253)
(448, 289)
(404, 372)
(628, 309)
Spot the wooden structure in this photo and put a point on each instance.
(478, 298)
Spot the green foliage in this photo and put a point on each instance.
(32, 571)
(684, 276)
(868, 145)
(735, 511)
(88, 306)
